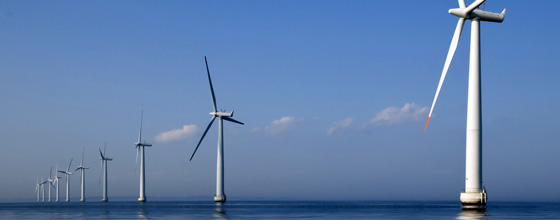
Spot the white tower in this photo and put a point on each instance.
(474, 193)
(83, 174)
(140, 148)
(68, 173)
(220, 196)
(104, 160)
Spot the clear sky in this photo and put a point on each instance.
(334, 96)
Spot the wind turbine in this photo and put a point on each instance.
(83, 173)
(140, 148)
(474, 193)
(50, 183)
(220, 196)
(38, 189)
(43, 189)
(104, 160)
(56, 178)
(68, 173)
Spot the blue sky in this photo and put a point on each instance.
(334, 96)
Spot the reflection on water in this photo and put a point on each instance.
(472, 214)
(142, 214)
(220, 211)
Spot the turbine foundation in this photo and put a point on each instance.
(142, 199)
(473, 200)
(220, 199)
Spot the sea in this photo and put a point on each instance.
(277, 210)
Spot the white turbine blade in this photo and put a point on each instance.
(50, 173)
(473, 6)
(202, 138)
(100, 171)
(136, 164)
(211, 88)
(233, 120)
(82, 162)
(140, 132)
(450, 54)
(462, 4)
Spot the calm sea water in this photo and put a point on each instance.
(276, 210)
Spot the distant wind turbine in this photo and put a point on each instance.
(56, 179)
(474, 193)
(43, 189)
(220, 196)
(50, 183)
(83, 173)
(68, 173)
(38, 189)
(140, 148)
(104, 160)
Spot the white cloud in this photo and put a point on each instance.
(282, 124)
(340, 125)
(395, 115)
(188, 131)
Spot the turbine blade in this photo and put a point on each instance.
(101, 153)
(82, 162)
(105, 148)
(69, 164)
(202, 138)
(50, 173)
(140, 132)
(462, 4)
(211, 88)
(233, 120)
(450, 54)
(473, 6)
(100, 171)
(136, 164)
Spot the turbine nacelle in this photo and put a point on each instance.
(479, 14)
(144, 144)
(222, 114)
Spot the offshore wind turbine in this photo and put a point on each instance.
(104, 160)
(43, 189)
(56, 178)
(474, 193)
(140, 148)
(83, 173)
(68, 173)
(50, 183)
(38, 188)
(220, 196)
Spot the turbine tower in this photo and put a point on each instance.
(220, 196)
(68, 173)
(38, 189)
(50, 184)
(140, 148)
(43, 189)
(474, 193)
(83, 173)
(104, 160)
(56, 178)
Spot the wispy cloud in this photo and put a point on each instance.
(395, 115)
(188, 131)
(282, 124)
(338, 126)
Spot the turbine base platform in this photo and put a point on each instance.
(474, 200)
(220, 199)
(104, 200)
(142, 199)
